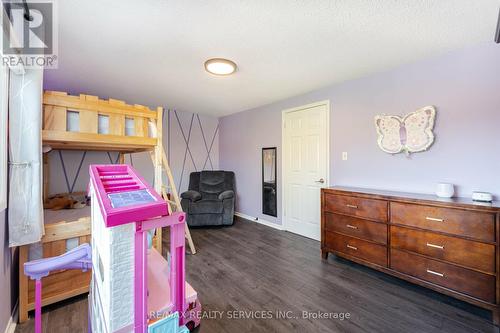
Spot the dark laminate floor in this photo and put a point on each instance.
(257, 269)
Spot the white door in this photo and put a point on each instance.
(305, 167)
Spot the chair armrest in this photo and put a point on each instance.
(226, 195)
(191, 195)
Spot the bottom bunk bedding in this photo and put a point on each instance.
(52, 219)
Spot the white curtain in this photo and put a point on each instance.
(25, 154)
(4, 100)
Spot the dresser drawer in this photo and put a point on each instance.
(467, 253)
(466, 281)
(459, 222)
(356, 227)
(358, 248)
(360, 207)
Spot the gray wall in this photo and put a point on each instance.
(463, 85)
(179, 128)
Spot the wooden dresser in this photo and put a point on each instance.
(448, 245)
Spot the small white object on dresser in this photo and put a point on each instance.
(482, 196)
(445, 190)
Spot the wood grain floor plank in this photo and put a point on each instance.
(252, 268)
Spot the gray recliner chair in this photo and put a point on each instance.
(210, 198)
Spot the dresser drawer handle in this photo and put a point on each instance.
(351, 226)
(435, 273)
(352, 247)
(441, 247)
(352, 206)
(434, 219)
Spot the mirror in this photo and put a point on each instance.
(269, 201)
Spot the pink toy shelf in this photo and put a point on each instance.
(126, 207)
(124, 197)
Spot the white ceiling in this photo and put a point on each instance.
(152, 51)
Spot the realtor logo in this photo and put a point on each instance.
(30, 34)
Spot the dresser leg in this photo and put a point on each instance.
(496, 316)
(324, 254)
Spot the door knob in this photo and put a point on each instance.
(321, 180)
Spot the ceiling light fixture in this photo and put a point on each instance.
(220, 66)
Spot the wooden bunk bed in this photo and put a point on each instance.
(130, 129)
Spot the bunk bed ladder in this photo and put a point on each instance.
(175, 204)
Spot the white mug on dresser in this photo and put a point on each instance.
(445, 190)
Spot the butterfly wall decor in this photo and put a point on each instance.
(410, 134)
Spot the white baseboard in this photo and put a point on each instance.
(260, 221)
(12, 323)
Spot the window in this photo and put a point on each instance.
(4, 100)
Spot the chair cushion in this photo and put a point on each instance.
(207, 206)
(191, 195)
(226, 195)
(212, 184)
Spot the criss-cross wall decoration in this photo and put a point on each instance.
(196, 154)
(191, 143)
(73, 166)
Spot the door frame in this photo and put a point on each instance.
(283, 164)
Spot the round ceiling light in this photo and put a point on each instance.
(219, 66)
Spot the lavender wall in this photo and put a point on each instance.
(8, 288)
(463, 86)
